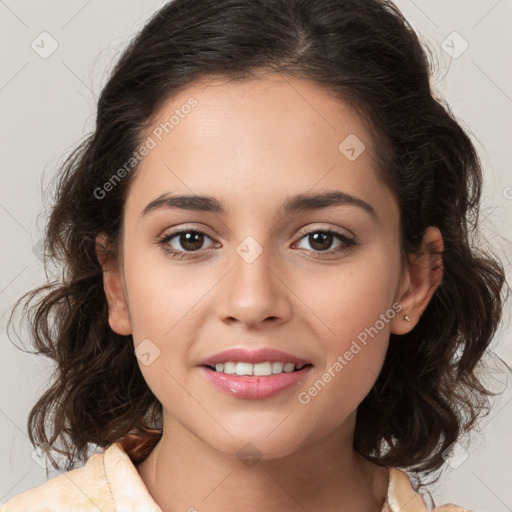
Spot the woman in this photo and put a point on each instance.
(270, 298)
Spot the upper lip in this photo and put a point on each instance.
(253, 356)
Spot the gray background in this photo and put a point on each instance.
(48, 104)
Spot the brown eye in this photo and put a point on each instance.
(191, 240)
(322, 241)
(183, 243)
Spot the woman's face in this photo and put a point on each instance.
(265, 274)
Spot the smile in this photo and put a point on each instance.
(259, 369)
(253, 386)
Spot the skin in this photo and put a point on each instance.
(251, 145)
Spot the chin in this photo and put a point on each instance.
(250, 449)
(261, 440)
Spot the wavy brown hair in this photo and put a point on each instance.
(363, 52)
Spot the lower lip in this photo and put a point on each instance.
(245, 386)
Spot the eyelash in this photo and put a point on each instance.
(349, 243)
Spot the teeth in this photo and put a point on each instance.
(261, 369)
(289, 367)
(258, 369)
(277, 367)
(243, 368)
(230, 368)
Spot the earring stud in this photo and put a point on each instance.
(406, 317)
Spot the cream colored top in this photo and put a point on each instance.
(109, 482)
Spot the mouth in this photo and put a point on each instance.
(254, 374)
(263, 369)
(245, 383)
(241, 361)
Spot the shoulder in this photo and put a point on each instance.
(83, 489)
(108, 482)
(403, 496)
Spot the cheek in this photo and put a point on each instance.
(162, 294)
(353, 361)
(354, 297)
(166, 304)
(357, 308)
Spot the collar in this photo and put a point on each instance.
(130, 494)
(128, 490)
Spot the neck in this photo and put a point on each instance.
(185, 473)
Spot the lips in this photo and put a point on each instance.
(253, 356)
(255, 388)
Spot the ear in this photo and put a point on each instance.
(113, 284)
(422, 277)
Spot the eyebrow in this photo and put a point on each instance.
(292, 204)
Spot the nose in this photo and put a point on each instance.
(254, 292)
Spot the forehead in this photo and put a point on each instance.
(270, 136)
(276, 108)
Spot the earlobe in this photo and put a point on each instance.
(424, 275)
(118, 316)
